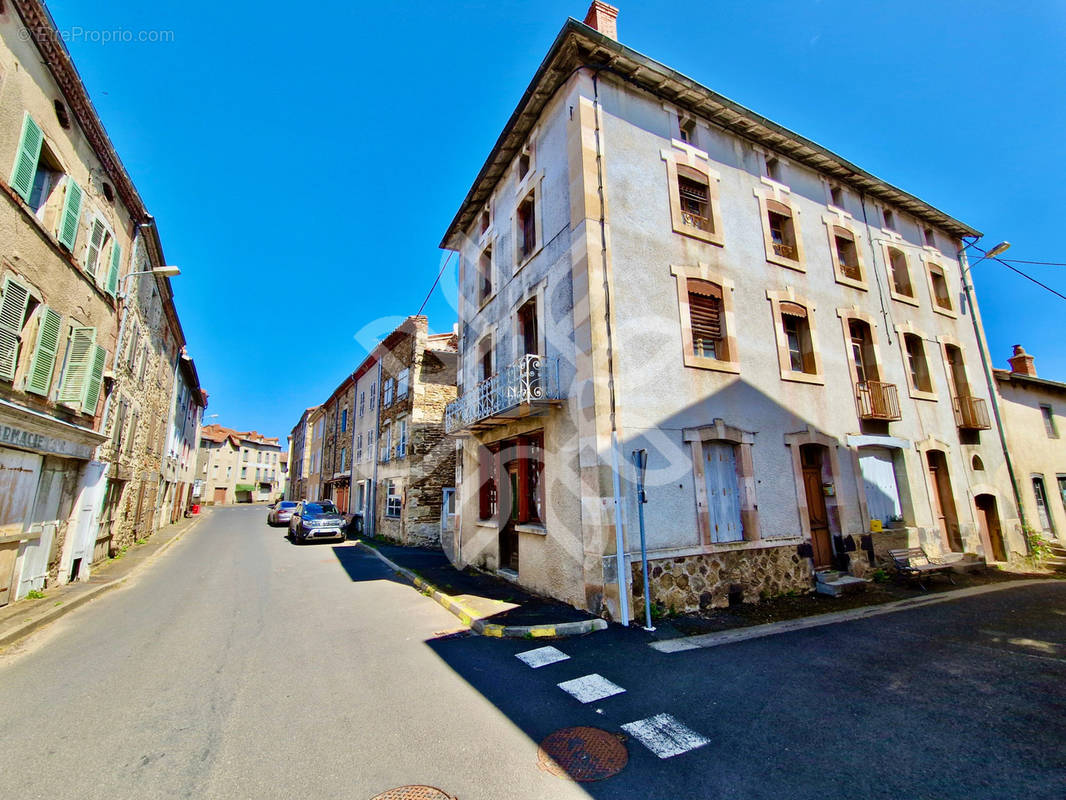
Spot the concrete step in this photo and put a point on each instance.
(839, 585)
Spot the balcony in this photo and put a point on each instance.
(784, 250)
(876, 400)
(525, 388)
(971, 414)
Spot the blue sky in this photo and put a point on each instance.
(303, 161)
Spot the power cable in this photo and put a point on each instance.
(444, 266)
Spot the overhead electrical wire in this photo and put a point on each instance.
(1025, 275)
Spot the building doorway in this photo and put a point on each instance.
(944, 501)
(812, 457)
(509, 533)
(220, 495)
(988, 520)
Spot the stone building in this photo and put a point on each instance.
(238, 466)
(1034, 413)
(416, 460)
(183, 442)
(72, 230)
(337, 444)
(314, 484)
(647, 265)
(300, 457)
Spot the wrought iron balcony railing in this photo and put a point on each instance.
(521, 389)
(876, 400)
(971, 413)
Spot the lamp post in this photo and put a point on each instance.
(164, 272)
(982, 347)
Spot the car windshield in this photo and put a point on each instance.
(319, 508)
(287, 504)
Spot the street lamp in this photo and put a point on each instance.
(163, 272)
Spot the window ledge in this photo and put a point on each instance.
(521, 262)
(902, 298)
(918, 394)
(947, 312)
(702, 235)
(490, 524)
(537, 530)
(713, 364)
(803, 377)
(791, 263)
(852, 282)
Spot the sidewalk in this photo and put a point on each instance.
(22, 617)
(490, 606)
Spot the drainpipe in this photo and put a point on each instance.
(993, 395)
(619, 537)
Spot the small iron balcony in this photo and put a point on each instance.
(524, 388)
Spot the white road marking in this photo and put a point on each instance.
(541, 656)
(664, 735)
(590, 688)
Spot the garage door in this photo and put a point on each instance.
(879, 478)
(220, 496)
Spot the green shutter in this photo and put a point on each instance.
(12, 314)
(96, 377)
(71, 216)
(112, 275)
(26, 159)
(44, 353)
(72, 387)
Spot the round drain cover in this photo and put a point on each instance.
(413, 793)
(583, 754)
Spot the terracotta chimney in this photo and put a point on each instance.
(1022, 362)
(603, 18)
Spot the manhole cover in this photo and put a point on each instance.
(413, 793)
(583, 754)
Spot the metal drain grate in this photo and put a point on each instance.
(583, 754)
(413, 793)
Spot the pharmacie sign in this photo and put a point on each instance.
(27, 440)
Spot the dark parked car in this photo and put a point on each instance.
(281, 512)
(316, 520)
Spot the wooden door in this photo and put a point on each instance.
(41, 528)
(723, 500)
(220, 495)
(19, 473)
(988, 520)
(817, 514)
(944, 501)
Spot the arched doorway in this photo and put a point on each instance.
(988, 521)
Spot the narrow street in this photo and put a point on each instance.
(240, 665)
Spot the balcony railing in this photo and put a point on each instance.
(971, 413)
(521, 389)
(876, 400)
(784, 250)
(696, 221)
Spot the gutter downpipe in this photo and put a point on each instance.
(619, 536)
(982, 347)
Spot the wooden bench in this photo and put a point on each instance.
(914, 563)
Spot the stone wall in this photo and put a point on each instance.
(700, 582)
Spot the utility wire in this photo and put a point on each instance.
(1042, 263)
(1025, 275)
(444, 266)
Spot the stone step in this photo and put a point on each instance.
(840, 586)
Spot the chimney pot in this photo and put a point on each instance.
(604, 18)
(1021, 363)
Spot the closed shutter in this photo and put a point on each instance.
(723, 494)
(112, 275)
(71, 216)
(97, 232)
(44, 353)
(96, 378)
(705, 315)
(29, 153)
(78, 367)
(12, 313)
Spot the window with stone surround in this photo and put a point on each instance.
(705, 305)
(526, 228)
(781, 228)
(403, 380)
(795, 330)
(393, 500)
(484, 276)
(939, 289)
(488, 499)
(918, 374)
(900, 286)
(389, 388)
(693, 194)
(847, 262)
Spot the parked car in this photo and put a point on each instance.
(317, 520)
(281, 512)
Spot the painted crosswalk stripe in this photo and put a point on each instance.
(664, 735)
(542, 656)
(590, 688)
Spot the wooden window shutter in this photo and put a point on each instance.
(71, 216)
(97, 232)
(44, 353)
(29, 153)
(485, 464)
(79, 364)
(112, 275)
(12, 313)
(705, 315)
(96, 378)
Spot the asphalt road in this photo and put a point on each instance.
(239, 665)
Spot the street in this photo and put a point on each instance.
(240, 665)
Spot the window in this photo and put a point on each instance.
(523, 165)
(386, 443)
(369, 445)
(484, 222)
(772, 168)
(846, 254)
(527, 228)
(362, 403)
(373, 394)
(917, 365)
(344, 420)
(257, 473)
(938, 285)
(890, 219)
(1049, 421)
(693, 189)
(131, 439)
(979, 465)
(900, 275)
(797, 332)
(393, 500)
(484, 275)
(781, 234)
(81, 377)
(1062, 489)
(344, 459)
(62, 117)
(402, 383)
(687, 130)
(244, 454)
(960, 386)
(99, 240)
(865, 364)
(244, 472)
(487, 494)
(836, 196)
(1042, 511)
(389, 388)
(705, 303)
(16, 308)
(401, 439)
(485, 358)
(930, 237)
(359, 449)
(527, 328)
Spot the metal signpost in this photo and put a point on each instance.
(640, 461)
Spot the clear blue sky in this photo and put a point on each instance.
(269, 141)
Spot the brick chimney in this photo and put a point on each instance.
(1022, 362)
(603, 18)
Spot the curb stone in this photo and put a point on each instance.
(25, 629)
(469, 617)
